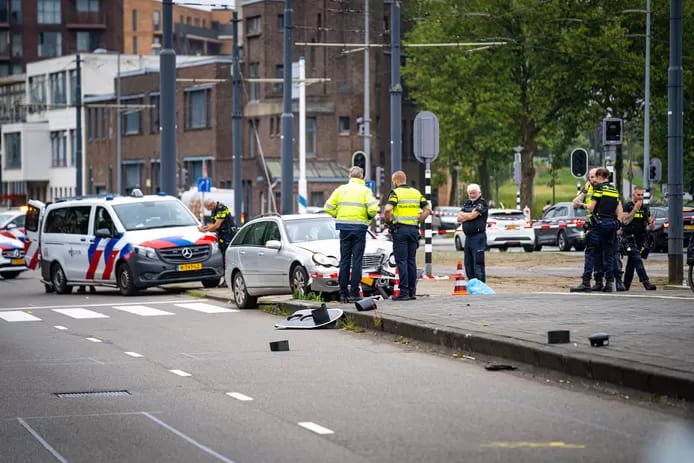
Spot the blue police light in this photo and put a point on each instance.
(108, 197)
(162, 193)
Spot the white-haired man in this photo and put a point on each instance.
(473, 216)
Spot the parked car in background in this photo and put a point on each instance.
(505, 228)
(657, 239)
(12, 261)
(289, 254)
(561, 225)
(12, 223)
(444, 219)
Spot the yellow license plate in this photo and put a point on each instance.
(689, 227)
(187, 267)
(18, 262)
(511, 227)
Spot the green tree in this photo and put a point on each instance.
(563, 67)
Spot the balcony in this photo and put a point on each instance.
(88, 20)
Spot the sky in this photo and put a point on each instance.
(206, 4)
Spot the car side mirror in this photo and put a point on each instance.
(103, 233)
(11, 226)
(273, 244)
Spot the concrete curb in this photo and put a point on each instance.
(623, 372)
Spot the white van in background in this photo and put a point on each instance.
(131, 242)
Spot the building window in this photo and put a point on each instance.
(279, 74)
(16, 12)
(132, 117)
(134, 20)
(344, 124)
(13, 150)
(87, 6)
(154, 109)
(57, 83)
(254, 87)
(4, 43)
(50, 44)
(4, 69)
(17, 45)
(73, 147)
(3, 11)
(311, 130)
(156, 19)
(88, 41)
(135, 45)
(253, 25)
(132, 175)
(59, 149)
(197, 108)
(73, 86)
(48, 11)
(17, 69)
(280, 22)
(253, 137)
(37, 90)
(90, 127)
(317, 199)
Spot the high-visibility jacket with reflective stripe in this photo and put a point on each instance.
(407, 202)
(607, 197)
(352, 204)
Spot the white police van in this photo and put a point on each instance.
(132, 242)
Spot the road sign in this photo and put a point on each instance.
(371, 184)
(204, 184)
(426, 136)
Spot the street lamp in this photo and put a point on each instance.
(119, 148)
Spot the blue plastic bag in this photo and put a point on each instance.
(476, 286)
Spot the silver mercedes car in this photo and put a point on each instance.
(289, 254)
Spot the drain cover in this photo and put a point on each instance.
(79, 395)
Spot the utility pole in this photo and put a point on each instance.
(287, 154)
(78, 127)
(236, 117)
(119, 136)
(167, 83)
(367, 96)
(647, 103)
(395, 88)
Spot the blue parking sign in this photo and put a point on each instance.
(371, 184)
(204, 184)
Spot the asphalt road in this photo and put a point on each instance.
(194, 380)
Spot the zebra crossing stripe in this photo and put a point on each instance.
(204, 307)
(142, 310)
(18, 316)
(80, 313)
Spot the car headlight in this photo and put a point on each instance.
(146, 252)
(215, 247)
(326, 261)
(391, 260)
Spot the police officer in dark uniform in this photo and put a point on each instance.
(473, 215)
(636, 218)
(606, 212)
(223, 224)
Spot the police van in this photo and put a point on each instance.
(131, 242)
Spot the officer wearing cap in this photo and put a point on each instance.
(223, 224)
(473, 216)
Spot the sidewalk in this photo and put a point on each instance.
(651, 333)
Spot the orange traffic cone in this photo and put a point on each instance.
(396, 283)
(361, 292)
(460, 288)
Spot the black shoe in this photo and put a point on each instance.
(609, 287)
(620, 287)
(597, 286)
(412, 298)
(649, 286)
(81, 290)
(92, 289)
(402, 297)
(582, 288)
(627, 285)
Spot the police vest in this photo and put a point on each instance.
(637, 226)
(408, 202)
(607, 197)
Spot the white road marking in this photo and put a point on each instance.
(94, 339)
(204, 307)
(93, 305)
(142, 310)
(180, 373)
(134, 354)
(80, 313)
(42, 441)
(317, 428)
(60, 327)
(204, 448)
(239, 396)
(18, 316)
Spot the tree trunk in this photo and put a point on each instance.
(528, 134)
(485, 183)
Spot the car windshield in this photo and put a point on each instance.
(5, 217)
(320, 228)
(145, 215)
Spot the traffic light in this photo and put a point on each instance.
(579, 163)
(380, 175)
(359, 160)
(655, 171)
(611, 131)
